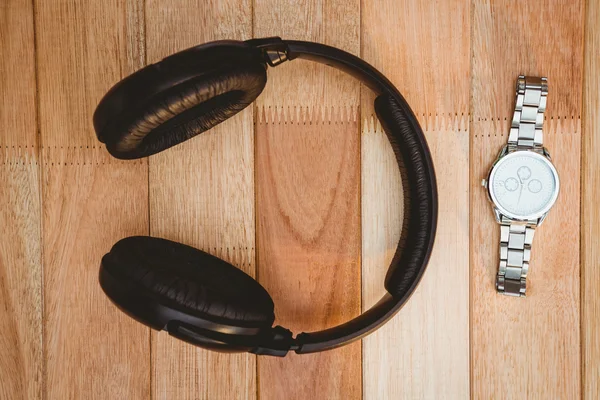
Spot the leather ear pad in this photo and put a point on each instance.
(420, 196)
(178, 98)
(190, 280)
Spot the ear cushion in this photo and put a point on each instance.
(191, 281)
(178, 98)
(420, 195)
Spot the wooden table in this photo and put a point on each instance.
(301, 191)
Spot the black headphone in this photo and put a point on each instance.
(200, 298)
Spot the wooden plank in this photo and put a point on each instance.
(430, 335)
(17, 76)
(539, 334)
(20, 279)
(91, 349)
(590, 212)
(20, 250)
(512, 37)
(309, 256)
(412, 43)
(99, 44)
(527, 347)
(202, 194)
(308, 204)
(424, 50)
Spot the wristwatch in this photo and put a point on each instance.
(522, 185)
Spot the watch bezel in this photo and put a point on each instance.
(504, 211)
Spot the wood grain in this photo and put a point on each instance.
(202, 194)
(17, 78)
(512, 37)
(20, 279)
(539, 334)
(590, 212)
(430, 335)
(527, 347)
(309, 249)
(84, 47)
(424, 50)
(91, 349)
(20, 249)
(424, 351)
(308, 204)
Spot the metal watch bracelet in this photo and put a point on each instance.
(516, 237)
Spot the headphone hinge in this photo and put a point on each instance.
(279, 342)
(274, 49)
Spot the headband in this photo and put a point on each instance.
(198, 297)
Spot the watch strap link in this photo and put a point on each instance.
(528, 118)
(515, 253)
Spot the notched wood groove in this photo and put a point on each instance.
(306, 114)
(552, 127)
(454, 122)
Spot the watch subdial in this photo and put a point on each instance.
(524, 173)
(534, 186)
(511, 184)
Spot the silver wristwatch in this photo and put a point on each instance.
(522, 185)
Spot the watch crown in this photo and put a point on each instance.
(484, 183)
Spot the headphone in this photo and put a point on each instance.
(198, 297)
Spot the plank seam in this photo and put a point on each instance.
(38, 154)
(582, 191)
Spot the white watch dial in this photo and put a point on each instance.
(524, 185)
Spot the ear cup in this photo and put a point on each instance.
(420, 195)
(188, 280)
(178, 98)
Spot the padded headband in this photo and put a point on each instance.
(186, 94)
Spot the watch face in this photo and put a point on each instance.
(523, 185)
